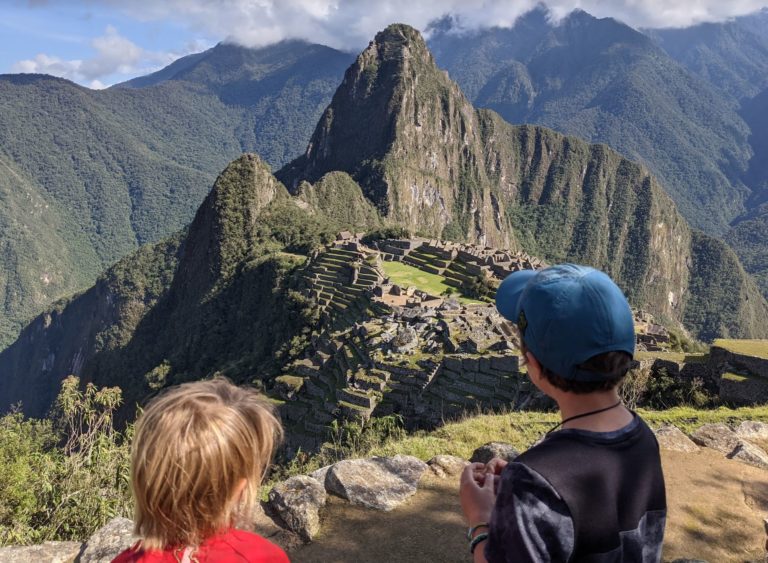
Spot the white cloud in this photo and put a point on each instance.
(344, 24)
(352, 23)
(113, 55)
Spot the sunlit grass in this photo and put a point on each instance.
(405, 275)
(758, 348)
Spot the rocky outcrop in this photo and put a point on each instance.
(108, 541)
(48, 552)
(446, 465)
(719, 437)
(298, 502)
(750, 454)
(670, 437)
(752, 430)
(381, 483)
(487, 452)
(733, 444)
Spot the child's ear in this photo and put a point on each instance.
(240, 489)
(533, 365)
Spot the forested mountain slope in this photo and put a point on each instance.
(105, 171)
(222, 296)
(606, 82)
(732, 56)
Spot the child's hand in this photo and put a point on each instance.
(495, 466)
(477, 498)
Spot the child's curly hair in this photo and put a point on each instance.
(194, 445)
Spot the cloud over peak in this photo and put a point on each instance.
(350, 24)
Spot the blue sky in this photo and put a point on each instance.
(94, 44)
(100, 42)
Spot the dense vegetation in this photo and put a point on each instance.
(64, 476)
(605, 82)
(218, 298)
(727, 308)
(732, 56)
(86, 176)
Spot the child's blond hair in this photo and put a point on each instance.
(193, 446)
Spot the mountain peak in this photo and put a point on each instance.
(362, 120)
(398, 36)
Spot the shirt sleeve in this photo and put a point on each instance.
(530, 521)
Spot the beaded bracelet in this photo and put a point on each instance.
(479, 538)
(475, 528)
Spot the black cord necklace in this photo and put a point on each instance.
(590, 413)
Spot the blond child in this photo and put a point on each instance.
(199, 455)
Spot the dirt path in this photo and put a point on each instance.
(716, 507)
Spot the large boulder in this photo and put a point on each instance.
(446, 465)
(670, 437)
(716, 436)
(751, 454)
(320, 474)
(381, 483)
(752, 430)
(48, 552)
(298, 502)
(487, 452)
(109, 540)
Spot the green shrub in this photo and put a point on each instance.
(386, 233)
(61, 479)
(660, 390)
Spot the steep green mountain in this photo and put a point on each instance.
(90, 175)
(731, 56)
(434, 164)
(748, 235)
(214, 297)
(605, 82)
(224, 296)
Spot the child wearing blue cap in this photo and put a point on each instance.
(593, 488)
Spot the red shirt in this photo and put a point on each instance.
(232, 546)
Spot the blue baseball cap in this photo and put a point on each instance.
(567, 314)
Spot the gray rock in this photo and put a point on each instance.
(750, 454)
(670, 437)
(109, 540)
(506, 364)
(320, 474)
(752, 430)
(298, 502)
(379, 482)
(716, 436)
(487, 452)
(446, 465)
(406, 340)
(48, 552)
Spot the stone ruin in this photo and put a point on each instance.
(385, 349)
(381, 348)
(651, 337)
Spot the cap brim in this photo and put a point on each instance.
(509, 292)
